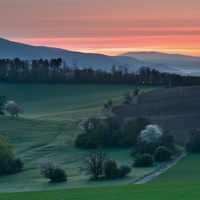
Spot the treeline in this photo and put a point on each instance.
(57, 71)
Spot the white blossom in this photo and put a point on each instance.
(151, 133)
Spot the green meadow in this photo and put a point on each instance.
(47, 130)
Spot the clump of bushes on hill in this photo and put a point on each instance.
(49, 169)
(97, 166)
(111, 132)
(152, 146)
(8, 163)
(111, 170)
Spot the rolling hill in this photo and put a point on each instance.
(175, 110)
(11, 50)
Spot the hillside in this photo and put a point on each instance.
(10, 49)
(176, 110)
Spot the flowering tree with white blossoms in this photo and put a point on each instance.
(13, 108)
(151, 133)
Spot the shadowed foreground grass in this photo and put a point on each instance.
(164, 191)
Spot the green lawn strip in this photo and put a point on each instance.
(186, 170)
(164, 191)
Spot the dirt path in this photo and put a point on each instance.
(154, 174)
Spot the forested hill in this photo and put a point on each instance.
(57, 71)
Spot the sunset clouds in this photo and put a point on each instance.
(110, 27)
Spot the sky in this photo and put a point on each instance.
(104, 26)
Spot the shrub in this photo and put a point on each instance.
(58, 175)
(49, 169)
(145, 148)
(162, 154)
(14, 165)
(124, 170)
(143, 160)
(110, 169)
(85, 141)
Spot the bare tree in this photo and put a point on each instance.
(13, 108)
(93, 164)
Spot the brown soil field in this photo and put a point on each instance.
(175, 110)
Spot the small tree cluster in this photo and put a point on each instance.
(112, 171)
(49, 169)
(97, 166)
(112, 132)
(152, 142)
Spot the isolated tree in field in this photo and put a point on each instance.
(8, 163)
(152, 133)
(49, 169)
(93, 164)
(13, 108)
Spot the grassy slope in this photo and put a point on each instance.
(37, 137)
(186, 170)
(60, 101)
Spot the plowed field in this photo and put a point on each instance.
(175, 110)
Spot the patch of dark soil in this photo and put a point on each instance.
(176, 110)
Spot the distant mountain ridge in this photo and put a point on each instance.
(186, 64)
(172, 63)
(9, 49)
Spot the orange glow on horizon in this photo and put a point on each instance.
(117, 45)
(109, 27)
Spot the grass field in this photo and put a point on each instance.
(48, 128)
(63, 101)
(165, 191)
(186, 170)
